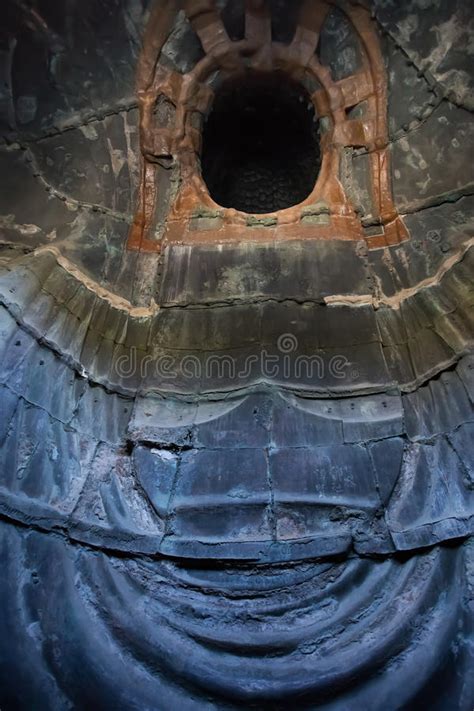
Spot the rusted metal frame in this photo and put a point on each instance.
(328, 186)
(354, 89)
(378, 148)
(207, 23)
(193, 95)
(310, 22)
(157, 146)
(194, 191)
(333, 99)
(331, 187)
(153, 81)
(287, 59)
(221, 54)
(347, 93)
(156, 34)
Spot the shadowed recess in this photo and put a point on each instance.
(261, 144)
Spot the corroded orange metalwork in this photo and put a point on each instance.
(179, 142)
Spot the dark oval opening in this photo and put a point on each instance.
(260, 150)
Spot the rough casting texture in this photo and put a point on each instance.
(236, 445)
(260, 148)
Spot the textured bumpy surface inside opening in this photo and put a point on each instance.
(261, 144)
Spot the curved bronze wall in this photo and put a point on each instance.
(236, 456)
